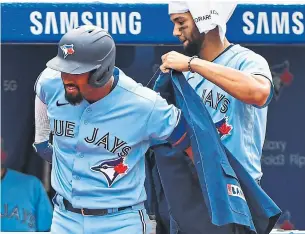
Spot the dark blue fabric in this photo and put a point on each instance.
(44, 150)
(156, 204)
(207, 203)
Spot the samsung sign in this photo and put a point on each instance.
(139, 23)
(273, 23)
(51, 22)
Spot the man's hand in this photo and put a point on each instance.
(174, 60)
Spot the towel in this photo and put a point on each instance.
(207, 14)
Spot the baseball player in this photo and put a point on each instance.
(234, 83)
(102, 123)
(25, 205)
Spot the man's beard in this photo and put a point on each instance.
(194, 45)
(74, 99)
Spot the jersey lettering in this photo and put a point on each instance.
(104, 140)
(118, 146)
(21, 215)
(215, 101)
(64, 128)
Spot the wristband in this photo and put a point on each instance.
(189, 63)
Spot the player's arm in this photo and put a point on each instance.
(167, 123)
(42, 124)
(247, 85)
(252, 89)
(42, 131)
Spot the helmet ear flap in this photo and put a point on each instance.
(100, 76)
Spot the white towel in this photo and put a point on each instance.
(207, 14)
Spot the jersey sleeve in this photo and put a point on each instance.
(255, 64)
(166, 123)
(38, 88)
(47, 84)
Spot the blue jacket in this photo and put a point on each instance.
(230, 194)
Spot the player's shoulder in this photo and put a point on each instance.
(47, 78)
(146, 94)
(244, 54)
(137, 90)
(48, 84)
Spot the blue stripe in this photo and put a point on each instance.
(179, 131)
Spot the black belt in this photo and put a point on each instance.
(89, 212)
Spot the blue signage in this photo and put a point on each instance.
(145, 23)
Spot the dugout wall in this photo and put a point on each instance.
(30, 32)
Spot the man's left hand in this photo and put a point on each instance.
(174, 60)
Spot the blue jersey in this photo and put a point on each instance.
(25, 206)
(99, 148)
(241, 126)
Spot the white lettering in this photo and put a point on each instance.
(67, 23)
(51, 22)
(298, 160)
(106, 21)
(277, 23)
(262, 23)
(86, 16)
(250, 28)
(61, 22)
(280, 24)
(35, 16)
(299, 28)
(236, 191)
(273, 160)
(135, 23)
(99, 20)
(275, 145)
(118, 22)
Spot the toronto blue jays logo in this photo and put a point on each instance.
(111, 169)
(67, 49)
(281, 76)
(223, 128)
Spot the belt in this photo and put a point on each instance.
(91, 212)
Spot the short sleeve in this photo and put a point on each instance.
(47, 83)
(163, 120)
(255, 64)
(38, 88)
